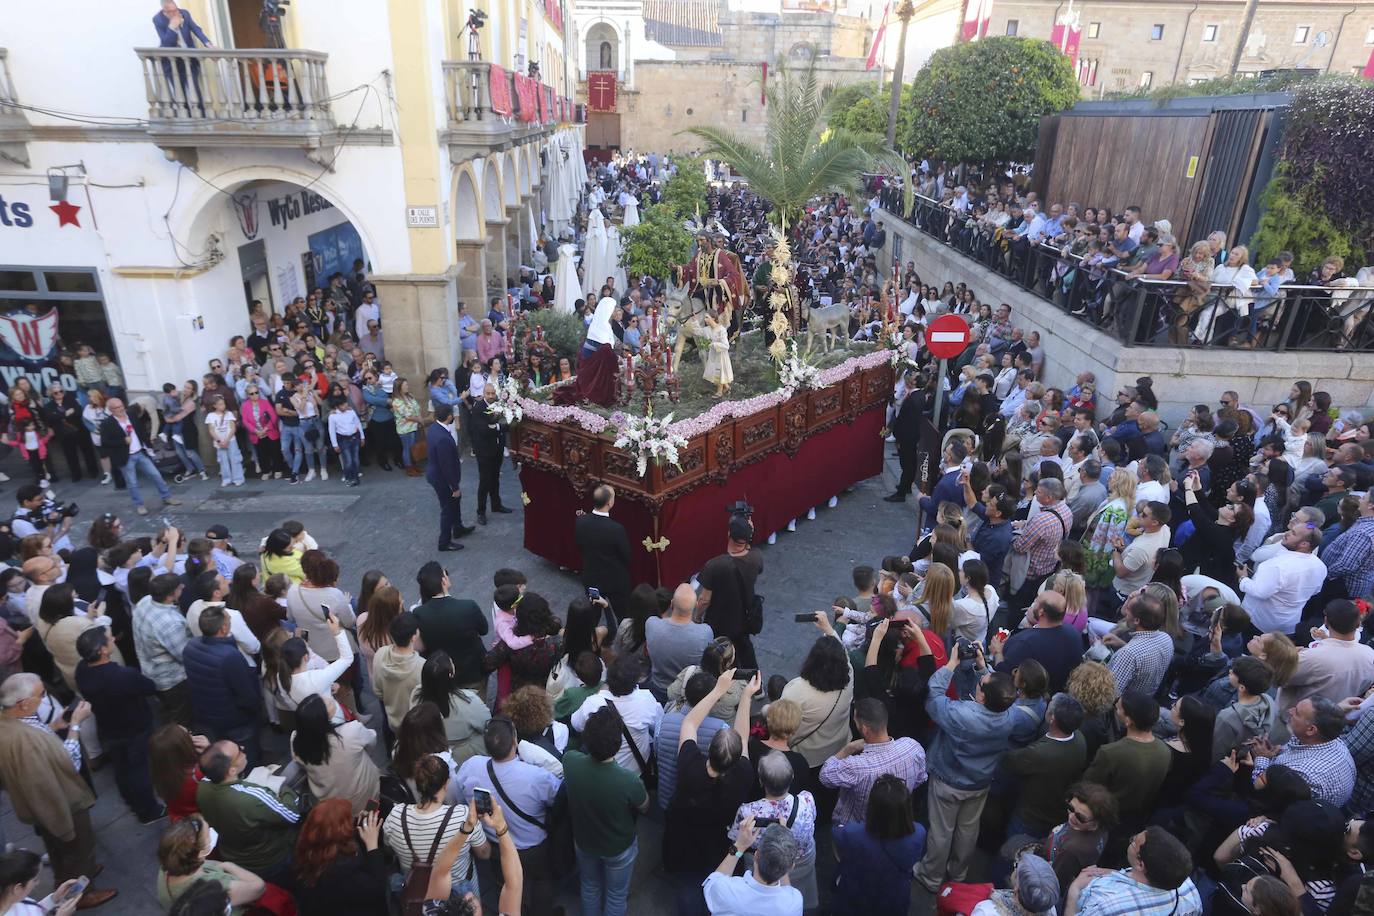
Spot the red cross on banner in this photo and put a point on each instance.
(601, 90)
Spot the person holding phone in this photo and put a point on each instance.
(20, 870)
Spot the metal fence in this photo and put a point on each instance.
(1159, 313)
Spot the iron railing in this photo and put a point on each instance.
(1165, 313)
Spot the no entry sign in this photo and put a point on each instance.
(947, 336)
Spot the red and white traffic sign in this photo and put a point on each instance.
(947, 336)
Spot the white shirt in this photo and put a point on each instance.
(1281, 585)
(221, 425)
(1151, 491)
(743, 896)
(135, 446)
(365, 313)
(238, 627)
(642, 715)
(317, 681)
(343, 423)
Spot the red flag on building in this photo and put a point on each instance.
(601, 90)
(877, 40)
(763, 86)
(1065, 37)
(976, 19)
(1369, 67)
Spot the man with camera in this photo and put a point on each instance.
(39, 515)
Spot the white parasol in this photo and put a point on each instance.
(566, 289)
(596, 267)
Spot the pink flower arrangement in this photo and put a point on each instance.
(548, 413)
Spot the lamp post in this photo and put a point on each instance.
(905, 10)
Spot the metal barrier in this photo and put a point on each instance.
(1160, 313)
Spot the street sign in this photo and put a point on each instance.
(947, 336)
(422, 217)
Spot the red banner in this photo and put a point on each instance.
(500, 91)
(1066, 40)
(526, 101)
(1369, 67)
(601, 90)
(877, 41)
(976, 19)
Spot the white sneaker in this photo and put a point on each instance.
(324, 475)
(204, 476)
(176, 437)
(5, 477)
(103, 481)
(44, 483)
(311, 475)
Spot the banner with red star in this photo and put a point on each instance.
(601, 90)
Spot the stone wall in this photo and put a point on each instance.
(1183, 377)
(1124, 46)
(671, 96)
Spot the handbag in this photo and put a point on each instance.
(557, 826)
(752, 602)
(416, 887)
(419, 451)
(648, 769)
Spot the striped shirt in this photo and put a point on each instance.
(422, 826)
(1041, 536)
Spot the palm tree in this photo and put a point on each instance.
(800, 157)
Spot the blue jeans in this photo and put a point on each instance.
(315, 449)
(348, 456)
(407, 440)
(606, 882)
(139, 461)
(292, 448)
(230, 464)
(189, 460)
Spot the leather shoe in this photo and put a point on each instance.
(481, 518)
(92, 899)
(502, 509)
(450, 547)
(463, 531)
(894, 498)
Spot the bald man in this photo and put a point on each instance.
(674, 641)
(128, 451)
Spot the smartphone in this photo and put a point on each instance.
(328, 614)
(481, 798)
(761, 823)
(745, 674)
(804, 618)
(77, 888)
(303, 634)
(593, 593)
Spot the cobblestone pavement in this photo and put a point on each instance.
(390, 523)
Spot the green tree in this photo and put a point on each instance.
(1290, 223)
(866, 114)
(796, 161)
(981, 102)
(685, 192)
(656, 244)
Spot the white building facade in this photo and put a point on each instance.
(200, 179)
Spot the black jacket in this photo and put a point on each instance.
(906, 426)
(443, 469)
(112, 438)
(605, 549)
(488, 435)
(225, 695)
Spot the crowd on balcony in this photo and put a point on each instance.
(1128, 273)
(1120, 667)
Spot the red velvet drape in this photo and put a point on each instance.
(778, 487)
(595, 380)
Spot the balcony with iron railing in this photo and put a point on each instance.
(1158, 313)
(214, 97)
(15, 131)
(492, 108)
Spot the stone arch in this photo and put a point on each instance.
(603, 43)
(528, 172)
(802, 50)
(467, 205)
(492, 206)
(510, 178)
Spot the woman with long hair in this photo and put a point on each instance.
(897, 670)
(1078, 843)
(106, 531)
(261, 613)
(335, 877)
(173, 763)
(421, 736)
(937, 602)
(59, 625)
(313, 601)
(529, 665)
(582, 632)
(406, 410)
(463, 712)
(1107, 523)
(296, 679)
(629, 635)
(1190, 750)
(973, 612)
(279, 555)
(92, 415)
(717, 658)
(876, 855)
(383, 606)
(335, 757)
(1070, 584)
(183, 859)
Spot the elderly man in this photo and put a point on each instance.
(127, 450)
(1039, 538)
(1089, 492)
(489, 442)
(1315, 751)
(39, 771)
(1157, 881)
(256, 826)
(1140, 664)
(675, 641)
(763, 889)
(42, 573)
(372, 342)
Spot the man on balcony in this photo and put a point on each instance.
(176, 29)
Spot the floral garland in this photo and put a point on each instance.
(508, 404)
(648, 438)
(794, 372)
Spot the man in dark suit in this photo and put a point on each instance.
(176, 29)
(127, 445)
(444, 473)
(605, 552)
(906, 429)
(489, 443)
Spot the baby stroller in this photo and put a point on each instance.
(165, 457)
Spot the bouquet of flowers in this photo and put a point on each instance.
(794, 372)
(649, 438)
(507, 405)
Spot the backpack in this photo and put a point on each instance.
(416, 888)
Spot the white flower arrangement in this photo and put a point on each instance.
(649, 438)
(794, 372)
(507, 405)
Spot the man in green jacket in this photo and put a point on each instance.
(256, 826)
(1047, 768)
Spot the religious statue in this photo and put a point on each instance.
(715, 277)
(718, 368)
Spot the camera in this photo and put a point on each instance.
(476, 18)
(52, 511)
(966, 648)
